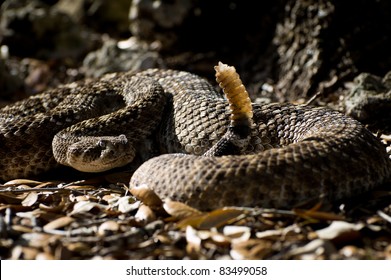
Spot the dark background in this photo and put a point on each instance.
(284, 50)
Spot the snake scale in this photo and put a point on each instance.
(171, 119)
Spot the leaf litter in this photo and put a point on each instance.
(100, 219)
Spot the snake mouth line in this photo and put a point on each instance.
(99, 166)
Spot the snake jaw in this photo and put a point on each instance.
(105, 153)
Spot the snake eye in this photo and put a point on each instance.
(102, 143)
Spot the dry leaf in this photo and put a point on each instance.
(110, 198)
(78, 247)
(80, 188)
(14, 195)
(179, 210)
(58, 223)
(16, 208)
(193, 221)
(387, 252)
(44, 256)
(145, 214)
(30, 199)
(219, 239)
(340, 230)
(193, 241)
(279, 233)
(22, 182)
(37, 239)
(11, 198)
(147, 196)
(216, 218)
(317, 215)
(44, 185)
(251, 249)
(270, 234)
(237, 233)
(127, 204)
(20, 228)
(108, 228)
(81, 198)
(55, 208)
(316, 249)
(24, 253)
(86, 206)
(384, 216)
(352, 252)
(219, 217)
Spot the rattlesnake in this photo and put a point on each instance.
(294, 152)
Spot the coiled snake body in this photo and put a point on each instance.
(294, 153)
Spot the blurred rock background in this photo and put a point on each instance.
(284, 50)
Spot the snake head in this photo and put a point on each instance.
(98, 154)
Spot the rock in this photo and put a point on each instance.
(113, 56)
(369, 101)
(110, 17)
(156, 20)
(10, 80)
(34, 29)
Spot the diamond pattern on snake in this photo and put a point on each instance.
(199, 147)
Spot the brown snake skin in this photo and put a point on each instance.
(295, 153)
